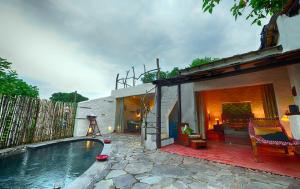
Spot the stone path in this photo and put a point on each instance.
(133, 167)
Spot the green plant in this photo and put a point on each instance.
(200, 61)
(67, 97)
(187, 130)
(11, 85)
(259, 9)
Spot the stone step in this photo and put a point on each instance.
(167, 141)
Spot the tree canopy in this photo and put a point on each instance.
(149, 77)
(259, 9)
(200, 61)
(68, 97)
(11, 85)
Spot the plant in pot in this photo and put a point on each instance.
(187, 130)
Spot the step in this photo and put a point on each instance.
(167, 141)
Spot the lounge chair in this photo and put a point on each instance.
(268, 124)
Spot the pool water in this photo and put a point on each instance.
(49, 166)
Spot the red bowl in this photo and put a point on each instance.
(107, 141)
(102, 157)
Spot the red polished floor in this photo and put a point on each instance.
(273, 160)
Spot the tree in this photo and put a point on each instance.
(173, 73)
(11, 85)
(259, 9)
(68, 97)
(200, 61)
(149, 77)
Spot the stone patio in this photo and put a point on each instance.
(133, 167)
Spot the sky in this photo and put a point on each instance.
(81, 45)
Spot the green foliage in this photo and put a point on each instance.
(68, 97)
(259, 9)
(149, 77)
(200, 61)
(11, 85)
(187, 130)
(173, 73)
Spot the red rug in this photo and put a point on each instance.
(273, 160)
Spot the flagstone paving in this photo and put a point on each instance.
(133, 167)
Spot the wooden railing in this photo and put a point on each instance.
(26, 120)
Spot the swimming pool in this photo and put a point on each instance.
(57, 164)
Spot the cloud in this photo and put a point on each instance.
(80, 45)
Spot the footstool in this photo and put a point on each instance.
(198, 144)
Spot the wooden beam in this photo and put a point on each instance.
(133, 80)
(117, 81)
(195, 78)
(158, 116)
(158, 69)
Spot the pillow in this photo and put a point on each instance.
(266, 130)
(279, 136)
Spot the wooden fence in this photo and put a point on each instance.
(26, 120)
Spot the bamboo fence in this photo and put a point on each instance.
(25, 120)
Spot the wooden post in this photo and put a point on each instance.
(125, 83)
(75, 97)
(179, 104)
(145, 69)
(133, 77)
(158, 69)
(117, 81)
(158, 116)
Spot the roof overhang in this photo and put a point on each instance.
(226, 69)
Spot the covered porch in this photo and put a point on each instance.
(261, 83)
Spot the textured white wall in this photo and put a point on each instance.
(294, 71)
(103, 108)
(132, 91)
(188, 110)
(289, 31)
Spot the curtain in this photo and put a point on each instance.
(269, 101)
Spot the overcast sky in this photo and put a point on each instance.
(68, 45)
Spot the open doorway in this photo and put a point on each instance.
(224, 113)
(130, 112)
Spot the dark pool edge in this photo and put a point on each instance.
(22, 148)
(12, 151)
(96, 172)
(65, 140)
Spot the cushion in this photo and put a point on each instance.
(266, 130)
(279, 136)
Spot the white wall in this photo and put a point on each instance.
(279, 77)
(294, 72)
(103, 108)
(132, 91)
(188, 105)
(289, 31)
